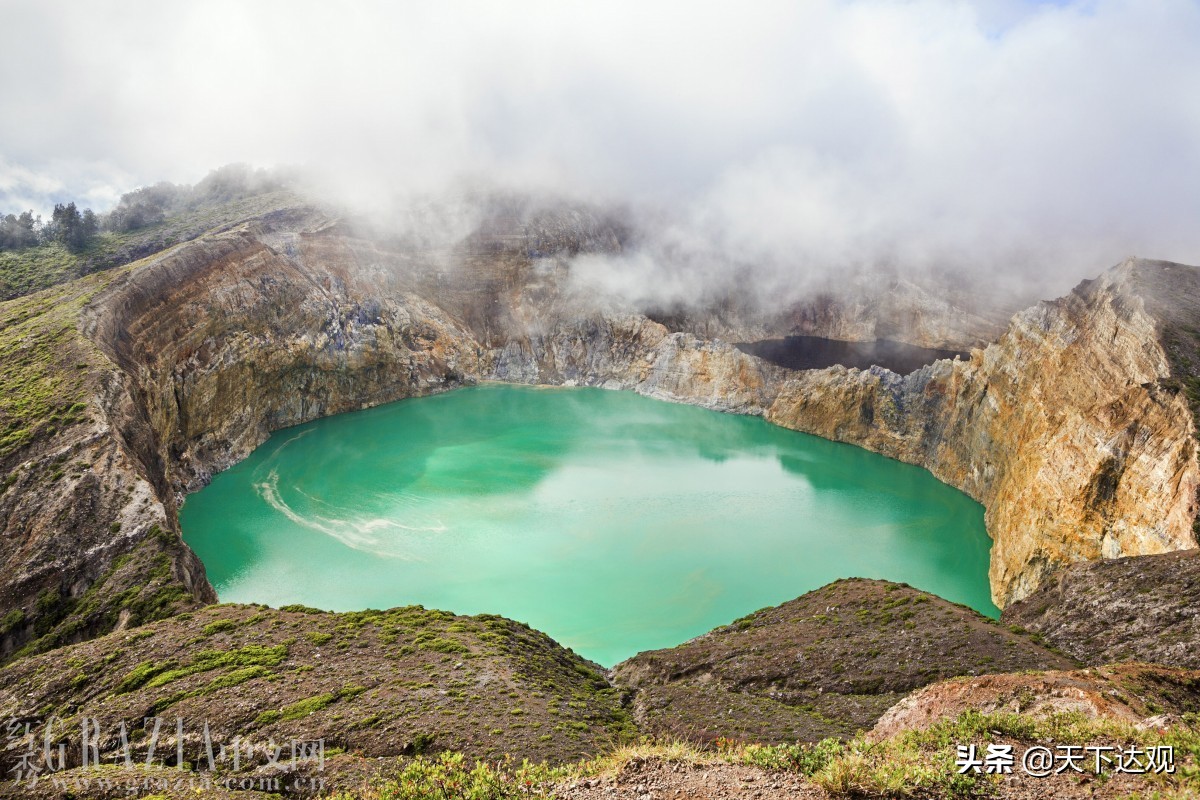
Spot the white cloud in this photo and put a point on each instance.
(1035, 138)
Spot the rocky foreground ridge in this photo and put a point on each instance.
(826, 664)
(1144, 608)
(380, 688)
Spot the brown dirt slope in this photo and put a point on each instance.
(375, 683)
(657, 779)
(1144, 695)
(1143, 608)
(826, 664)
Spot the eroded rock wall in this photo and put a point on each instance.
(87, 541)
(231, 339)
(255, 330)
(1069, 430)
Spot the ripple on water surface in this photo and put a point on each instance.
(612, 522)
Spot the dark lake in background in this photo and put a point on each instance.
(814, 352)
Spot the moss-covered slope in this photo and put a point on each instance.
(826, 664)
(375, 683)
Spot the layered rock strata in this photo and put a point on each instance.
(1072, 429)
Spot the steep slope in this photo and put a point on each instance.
(1074, 429)
(192, 357)
(1143, 608)
(826, 664)
(287, 319)
(87, 543)
(377, 683)
(26, 271)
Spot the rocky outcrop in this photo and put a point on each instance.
(1143, 608)
(285, 320)
(1140, 695)
(1071, 429)
(826, 664)
(189, 360)
(229, 339)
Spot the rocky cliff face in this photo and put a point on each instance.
(285, 320)
(88, 539)
(1071, 430)
(1074, 429)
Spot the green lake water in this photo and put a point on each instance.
(612, 522)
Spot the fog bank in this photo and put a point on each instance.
(1020, 143)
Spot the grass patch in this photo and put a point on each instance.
(235, 678)
(450, 775)
(910, 765)
(217, 626)
(309, 705)
(441, 644)
(152, 675)
(921, 763)
(41, 391)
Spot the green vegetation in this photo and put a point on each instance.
(36, 255)
(309, 705)
(41, 385)
(451, 776)
(68, 226)
(217, 626)
(440, 644)
(28, 270)
(921, 763)
(150, 675)
(912, 764)
(806, 759)
(235, 678)
(11, 620)
(301, 609)
(149, 593)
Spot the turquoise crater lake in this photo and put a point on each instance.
(612, 522)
